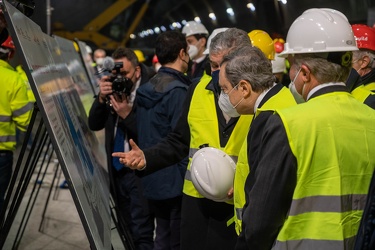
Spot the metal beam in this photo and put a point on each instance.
(106, 16)
(135, 23)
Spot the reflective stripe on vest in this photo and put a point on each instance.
(204, 129)
(315, 244)
(23, 109)
(282, 99)
(5, 118)
(332, 184)
(329, 203)
(7, 138)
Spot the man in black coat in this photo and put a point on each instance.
(113, 110)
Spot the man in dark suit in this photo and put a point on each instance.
(113, 110)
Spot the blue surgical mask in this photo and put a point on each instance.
(215, 80)
(215, 76)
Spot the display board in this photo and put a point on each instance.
(49, 66)
(77, 71)
(88, 63)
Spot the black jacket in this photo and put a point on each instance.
(102, 117)
(175, 147)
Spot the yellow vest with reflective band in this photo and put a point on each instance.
(15, 109)
(361, 93)
(332, 137)
(282, 99)
(204, 129)
(23, 75)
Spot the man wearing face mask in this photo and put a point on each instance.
(98, 56)
(361, 81)
(115, 112)
(196, 37)
(317, 156)
(248, 88)
(159, 105)
(204, 222)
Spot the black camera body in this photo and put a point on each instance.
(120, 84)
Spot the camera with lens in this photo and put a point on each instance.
(120, 84)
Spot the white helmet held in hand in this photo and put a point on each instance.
(193, 28)
(319, 31)
(212, 173)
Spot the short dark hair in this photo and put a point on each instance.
(168, 45)
(129, 54)
(199, 36)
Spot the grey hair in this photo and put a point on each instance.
(227, 40)
(323, 70)
(250, 64)
(358, 54)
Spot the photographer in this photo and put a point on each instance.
(113, 110)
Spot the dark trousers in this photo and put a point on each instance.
(204, 224)
(135, 210)
(6, 162)
(168, 222)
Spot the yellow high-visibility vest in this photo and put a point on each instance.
(332, 137)
(15, 108)
(282, 99)
(204, 129)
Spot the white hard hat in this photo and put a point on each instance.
(213, 34)
(319, 31)
(212, 173)
(193, 28)
(278, 65)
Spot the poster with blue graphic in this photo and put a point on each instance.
(60, 87)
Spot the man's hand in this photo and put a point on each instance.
(120, 105)
(230, 193)
(134, 159)
(105, 88)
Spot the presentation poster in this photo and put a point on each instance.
(59, 90)
(77, 71)
(88, 63)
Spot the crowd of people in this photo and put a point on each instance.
(304, 150)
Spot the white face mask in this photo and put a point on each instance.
(226, 106)
(193, 51)
(99, 61)
(292, 87)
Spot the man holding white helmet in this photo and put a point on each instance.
(204, 222)
(196, 37)
(248, 88)
(317, 158)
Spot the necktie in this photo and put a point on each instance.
(118, 147)
(193, 68)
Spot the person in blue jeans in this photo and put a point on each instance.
(159, 104)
